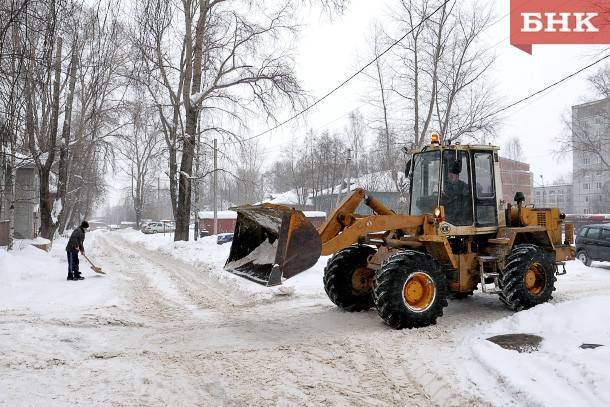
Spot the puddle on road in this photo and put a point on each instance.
(522, 343)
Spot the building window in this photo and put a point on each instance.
(585, 210)
(586, 199)
(599, 185)
(585, 185)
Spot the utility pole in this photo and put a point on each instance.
(349, 170)
(215, 178)
(543, 203)
(196, 180)
(347, 174)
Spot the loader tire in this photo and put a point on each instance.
(410, 290)
(528, 278)
(347, 280)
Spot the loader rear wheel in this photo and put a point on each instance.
(348, 281)
(410, 290)
(528, 278)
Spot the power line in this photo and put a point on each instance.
(565, 78)
(346, 81)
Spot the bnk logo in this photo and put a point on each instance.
(559, 22)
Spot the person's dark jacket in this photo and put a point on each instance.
(77, 238)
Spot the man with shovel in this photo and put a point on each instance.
(75, 245)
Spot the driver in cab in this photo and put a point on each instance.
(456, 197)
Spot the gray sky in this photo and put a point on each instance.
(329, 51)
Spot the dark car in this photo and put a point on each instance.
(593, 243)
(224, 238)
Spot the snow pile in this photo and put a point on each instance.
(57, 208)
(560, 372)
(32, 279)
(207, 255)
(286, 198)
(263, 254)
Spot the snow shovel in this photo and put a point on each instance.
(272, 242)
(93, 266)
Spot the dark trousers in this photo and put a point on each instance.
(73, 263)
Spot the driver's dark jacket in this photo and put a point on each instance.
(457, 202)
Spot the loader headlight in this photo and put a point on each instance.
(437, 212)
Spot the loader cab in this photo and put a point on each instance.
(462, 180)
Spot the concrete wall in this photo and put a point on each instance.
(27, 219)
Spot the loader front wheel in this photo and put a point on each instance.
(410, 290)
(528, 278)
(347, 279)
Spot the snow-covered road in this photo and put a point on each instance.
(164, 329)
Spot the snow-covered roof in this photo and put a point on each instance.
(314, 214)
(285, 198)
(219, 215)
(380, 181)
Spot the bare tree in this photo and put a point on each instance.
(139, 148)
(588, 133)
(356, 134)
(381, 95)
(234, 61)
(439, 70)
(600, 81)
(513, 149)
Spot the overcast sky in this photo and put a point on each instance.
(329, 51)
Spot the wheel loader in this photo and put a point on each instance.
(459, 235)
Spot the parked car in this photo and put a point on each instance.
(204, 232)
(593, 243)
(224, 238)
(158, 227)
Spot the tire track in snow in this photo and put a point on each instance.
(191, 281)
(152, 295)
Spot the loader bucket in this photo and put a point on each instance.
(272, 242)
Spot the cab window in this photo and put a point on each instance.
(424, 185)
(485, 194)
(457, 195)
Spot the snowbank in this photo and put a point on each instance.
(34, 280)
(560, 372)
(206, 254)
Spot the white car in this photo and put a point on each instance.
(158, 227)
